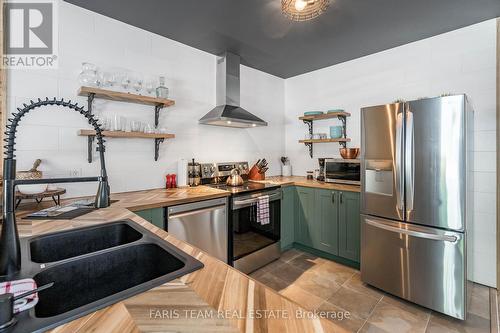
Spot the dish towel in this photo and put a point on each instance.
(263, 210)
(18, 287)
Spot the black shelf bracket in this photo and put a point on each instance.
(90, 141)
(309, 145)
(310, 125)
(90, 100)
(91, 138)
(158, 141)
(343, 120)
(157, 114)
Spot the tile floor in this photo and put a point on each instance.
(323, 285)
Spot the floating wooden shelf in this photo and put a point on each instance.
(308, 120)
(158, 137)
(158, 103)
(118, 134)
(325, 116)
(325, 140)
(124, 97)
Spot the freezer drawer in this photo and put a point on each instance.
(424, 265)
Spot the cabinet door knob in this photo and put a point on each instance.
(341, 196)
(333, 197)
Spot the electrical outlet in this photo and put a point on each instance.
(75, 172)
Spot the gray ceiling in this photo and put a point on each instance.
(268, 41)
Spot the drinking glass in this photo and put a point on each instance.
(137, 82)
(116, 125)
(106, 124)
(123, 124)
(148, 128)
(150, 86)
(125, 80)
(108, 79)
(135, 126)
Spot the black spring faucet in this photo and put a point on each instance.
(10, 252)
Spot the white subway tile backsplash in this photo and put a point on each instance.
(36, 138)
(482, 240)
(485, 141)
(485, 119)
(474, 59)
(485, 161)
(481, 267)
(484, 203)
(30, 84)
(485, 223)
(485, 182)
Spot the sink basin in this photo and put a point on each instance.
(92, 268)
(101, 276)
(73, 243)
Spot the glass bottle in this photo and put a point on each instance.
(162, 91)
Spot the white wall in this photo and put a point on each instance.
(461, 61)
(86, 36)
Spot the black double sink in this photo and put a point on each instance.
(94, 267)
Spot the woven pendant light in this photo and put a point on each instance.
(303, 10)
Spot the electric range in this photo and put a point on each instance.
(251, 244)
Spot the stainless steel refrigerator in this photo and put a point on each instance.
(416, 200)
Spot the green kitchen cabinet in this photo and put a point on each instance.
(326, 221)
(155, 216)
(288, 213)
(349, 225)
(305, 228)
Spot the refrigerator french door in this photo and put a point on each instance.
(415, 200)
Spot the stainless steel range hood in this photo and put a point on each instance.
(228, 112)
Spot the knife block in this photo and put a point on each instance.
(254, 174)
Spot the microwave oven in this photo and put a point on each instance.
(338, 170)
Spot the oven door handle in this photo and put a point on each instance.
(272, 197)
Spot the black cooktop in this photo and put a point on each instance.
(245, 188)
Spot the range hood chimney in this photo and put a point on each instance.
(228, 112)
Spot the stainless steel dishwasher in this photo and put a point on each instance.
(202, 224)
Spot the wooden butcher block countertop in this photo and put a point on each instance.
(216, 298)
(303, 181)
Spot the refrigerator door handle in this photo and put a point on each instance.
(399, 161)
(414, 233)
(409, 162)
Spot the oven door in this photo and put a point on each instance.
(250, 236)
